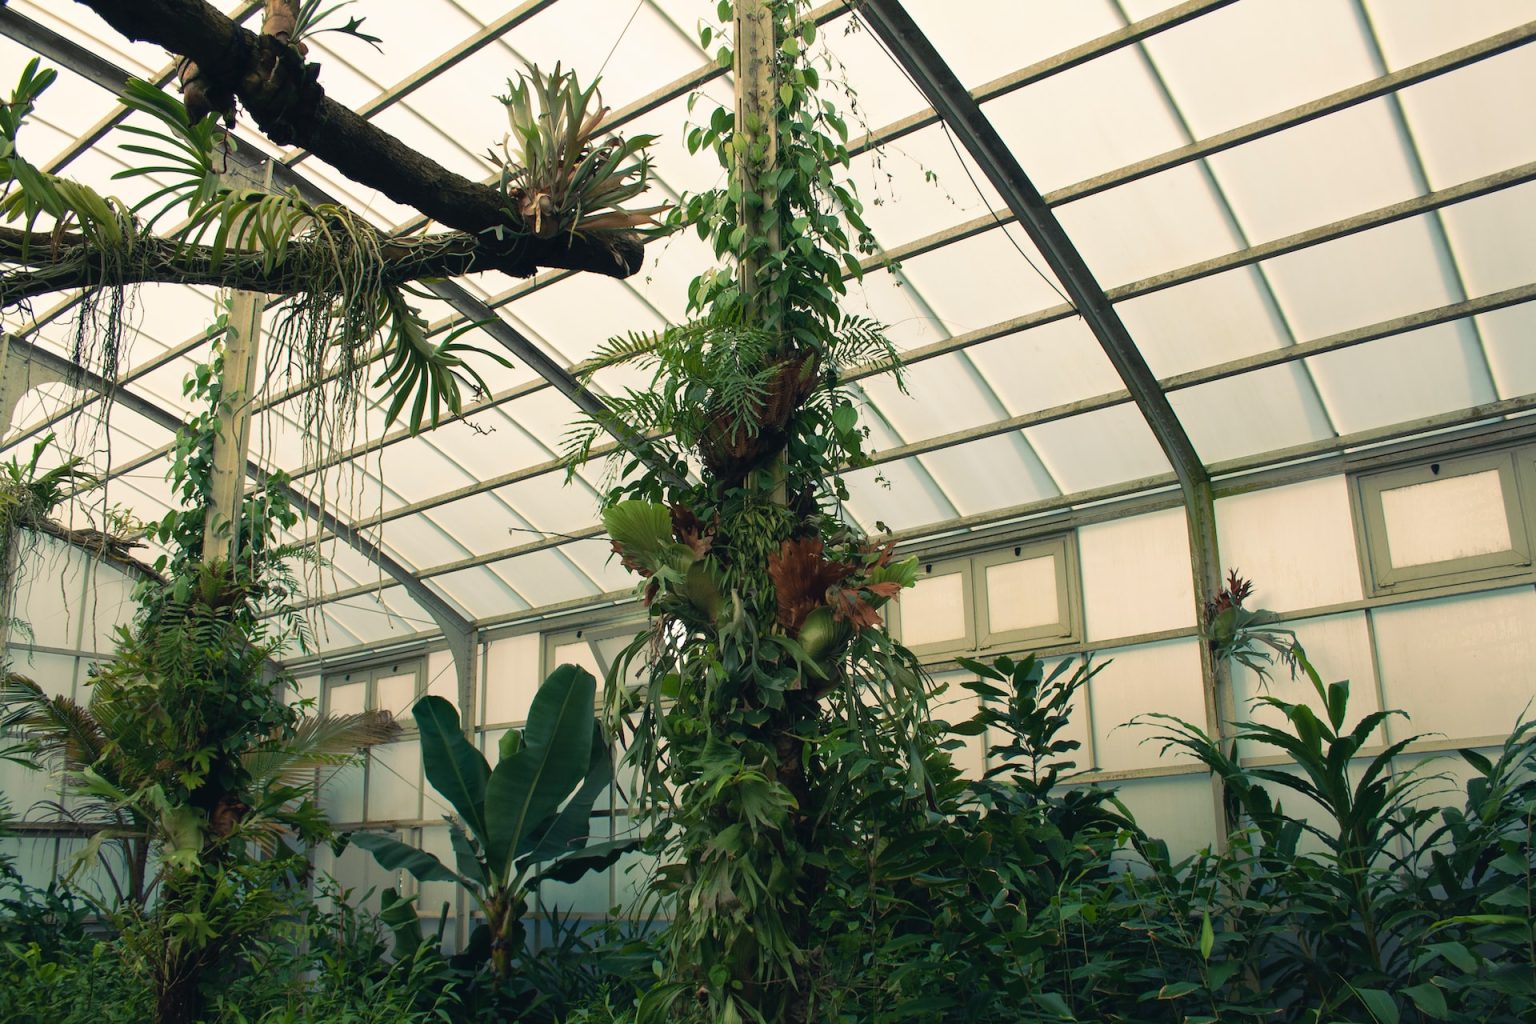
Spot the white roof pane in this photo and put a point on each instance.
(995, 472)
(900, 495)
(545, 577)
(1360, 279)
(1098, 449)
(1507, 335)
(1046, 366)
(480, 591)
(1242, 62)
(1434, 370)
(1026, 32)
(1494, 239)
(1149, 226)
(1090, 119)
(1256, 412)
(1468, 123)
(1317, 173)
(982, 280)
(1413, 30)
(1207, 321)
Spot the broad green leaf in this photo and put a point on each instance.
(1207, 936)
(641, 528)
(568, 829)
(1380, 1004)
(557, 748)
(590, 858)
(1430, 1000)
(454, 767)
(393, 855)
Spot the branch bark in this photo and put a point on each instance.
(63, 262)
(283, 95)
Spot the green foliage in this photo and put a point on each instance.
(524, 822)
(61, 963)
(555, 174)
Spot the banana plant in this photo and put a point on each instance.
(523, 823)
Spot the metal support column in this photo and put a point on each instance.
(963, 116)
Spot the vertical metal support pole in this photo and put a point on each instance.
(1215, 673)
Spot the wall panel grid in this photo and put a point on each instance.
(1446, 522)
(1023, 595)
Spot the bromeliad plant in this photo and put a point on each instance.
(555, 171)
(520, 824)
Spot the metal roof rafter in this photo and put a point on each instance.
(940, 86)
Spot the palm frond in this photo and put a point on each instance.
(319, 742)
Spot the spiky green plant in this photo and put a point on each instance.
(556, 172)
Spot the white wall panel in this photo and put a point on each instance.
(55, 673)
(1136, 575)
(1163, 677)
(1339, 647)
(1178, 810)
(394, 781)
(511, 678)
(1296, 543)
(341, 794)
(442, 680)
(1461, 666)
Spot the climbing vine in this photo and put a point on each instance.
(766, 654)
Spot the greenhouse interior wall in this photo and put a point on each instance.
(1406, 569)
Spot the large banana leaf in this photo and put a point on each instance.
(454, 767)
(530, 785)
(568, 829)
(393, 855)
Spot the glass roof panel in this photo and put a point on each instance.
(1087, 120)
(1207, 321)
(1256, 412)
(1318, 172)
(1396, 379)
(1037, 31)
(1360, 279)
(992, 473)
(1149, 226)
(1098, 449)
(1413, 30)
(1239, 63)
(1046, 366)
(1507, 335)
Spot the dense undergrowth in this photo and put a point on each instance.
(1359, 886)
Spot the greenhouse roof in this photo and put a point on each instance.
(1316, 221)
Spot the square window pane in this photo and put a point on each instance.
(1458, 517)
(933, 611)
(1022, 595)
(347, 698)
(396, 694)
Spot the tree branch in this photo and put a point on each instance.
(66, 261)
(283, 95)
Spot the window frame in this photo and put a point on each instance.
(1517, 477)
(978, 636)
(415, 664)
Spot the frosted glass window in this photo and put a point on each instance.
(348, 698)
(511, 678)
(1457, 517)
(1022, 594)
(577, 653)
(396, 693)
(933, 611)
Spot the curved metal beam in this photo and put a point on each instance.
(455, 626)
